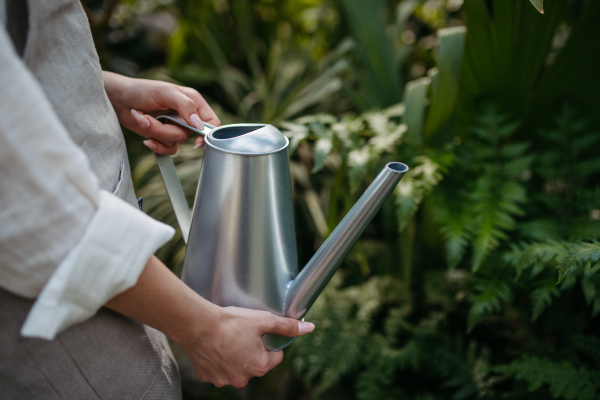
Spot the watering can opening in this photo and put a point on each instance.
(235, 131)
(397, 166)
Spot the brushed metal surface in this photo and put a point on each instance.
(316, 274)
(176, 194)
(242, 246)
(242, 243)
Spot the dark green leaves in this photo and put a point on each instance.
(482, 213)
(563, 380)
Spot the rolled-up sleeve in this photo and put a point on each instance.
(62, 239)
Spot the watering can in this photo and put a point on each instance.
(241, 242)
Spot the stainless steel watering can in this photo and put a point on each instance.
(241, 243)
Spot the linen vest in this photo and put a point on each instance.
(109, 356)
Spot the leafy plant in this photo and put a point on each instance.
(483, 266)
(563, 380)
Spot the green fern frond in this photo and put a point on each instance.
(564, 380)
(345, 318)
(492, 293)
(451, 210)
(494, 209)
(536, 255)
(579, 256)
(542, 297)
(495, 161)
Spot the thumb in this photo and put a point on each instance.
(288, 327)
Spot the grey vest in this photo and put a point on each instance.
(108, 356)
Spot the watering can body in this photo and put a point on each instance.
(241, 248)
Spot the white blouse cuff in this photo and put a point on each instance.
(107, 261)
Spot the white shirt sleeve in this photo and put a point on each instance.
(62, 239)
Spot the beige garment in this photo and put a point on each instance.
(69, 232)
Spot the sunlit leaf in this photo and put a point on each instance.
(538, 4)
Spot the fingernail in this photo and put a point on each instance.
(140, 118)
(306, 327)
(197, 122)
(150, 145)
(199, 144)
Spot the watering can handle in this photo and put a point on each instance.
(171, 180)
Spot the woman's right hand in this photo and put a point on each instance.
(230, 350)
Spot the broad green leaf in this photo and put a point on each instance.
(444, 88)
(414, 99)
(538, 4)
(382, 84)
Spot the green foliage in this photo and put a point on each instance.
(382, 85)
(501, 139)
(444, 92)
(493, 161)
(568, 166)
(564, 380)
(490, 294)
(412, 189)
(579, 260)
(367, 329)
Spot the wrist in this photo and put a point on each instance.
(198, 320)
(116, 86)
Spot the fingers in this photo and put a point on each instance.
(199, 142)
(152, 128)
(180, 102)
(287, 326)
(205, 112)
(162, 148)
(275, 359)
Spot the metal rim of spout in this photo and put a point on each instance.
(397, 167)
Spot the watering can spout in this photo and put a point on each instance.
(313, 278)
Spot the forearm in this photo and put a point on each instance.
(161, 300)
(223, 344)
(116, 86)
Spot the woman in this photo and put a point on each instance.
(81, 293)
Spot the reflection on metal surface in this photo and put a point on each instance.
(242, 243)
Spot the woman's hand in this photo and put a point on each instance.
(138, 101)
(224, 344)
(230, 351)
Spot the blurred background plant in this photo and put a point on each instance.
(479, 278)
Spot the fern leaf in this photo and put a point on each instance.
(489, 300)
(579, 255)
(455, 228)
(564, 380)
(542, 297)
(536, 254)
(494, 211)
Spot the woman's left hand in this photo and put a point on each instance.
(138, 101)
